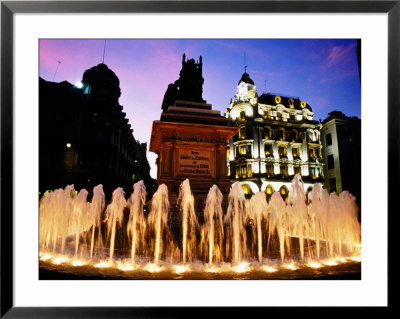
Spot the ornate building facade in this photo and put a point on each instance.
(277, 139)
(85, 138)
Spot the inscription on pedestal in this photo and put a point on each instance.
(195, 162)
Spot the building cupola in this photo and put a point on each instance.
(246, 79)
(100, 81)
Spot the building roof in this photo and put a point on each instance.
(274, 99)
(340, 116)
(246, 79)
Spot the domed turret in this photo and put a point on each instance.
(246, 79)
(102, 82)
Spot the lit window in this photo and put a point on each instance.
(87, 89)
(269, 168)
(284, 191)
(269, 190)
(268, 149)
(242, 149)
(267, 133)
(284, 170)
(295, 152)
(249, 171)
(282, 150)
(243, 171)
(242, 133)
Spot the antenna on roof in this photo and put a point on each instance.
(104, 49)
(59, 62)
(245, 66)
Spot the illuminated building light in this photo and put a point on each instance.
(79, 84)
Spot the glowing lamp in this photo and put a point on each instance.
(79, 84)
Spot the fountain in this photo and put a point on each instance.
(256, 238)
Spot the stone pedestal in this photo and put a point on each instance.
(192, 151)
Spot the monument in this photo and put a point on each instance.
(190, 139)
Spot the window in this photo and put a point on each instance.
(249, 171)
(269, 190)
(313, 172)
(242, 116)
(331, 163)
(243, 171)
(328, 139)
(87, 89)
(295, 152)
(281, 135)
(332, 184)
(268, 149)
(248, 151)
(297, 170)
(284, 191)
(284, 170)
(242, 133)
(282, 150)
(242, 149)
(267, 133)
(269, 168)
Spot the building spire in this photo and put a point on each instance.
(59, 62)
(104, 49)
(245, 66)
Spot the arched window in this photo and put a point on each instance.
(247, 190)
(269, 190)
(284, 191)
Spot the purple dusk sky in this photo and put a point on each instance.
(322, 72)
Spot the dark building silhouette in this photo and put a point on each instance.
(189, 86)
(358, 52)
(341, 138)
(85, 138)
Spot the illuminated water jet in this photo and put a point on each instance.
(255, 235)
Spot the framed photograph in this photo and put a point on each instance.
(58, 55)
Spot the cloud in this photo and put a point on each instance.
(340, 55)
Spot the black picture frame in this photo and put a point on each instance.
(9, 8)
